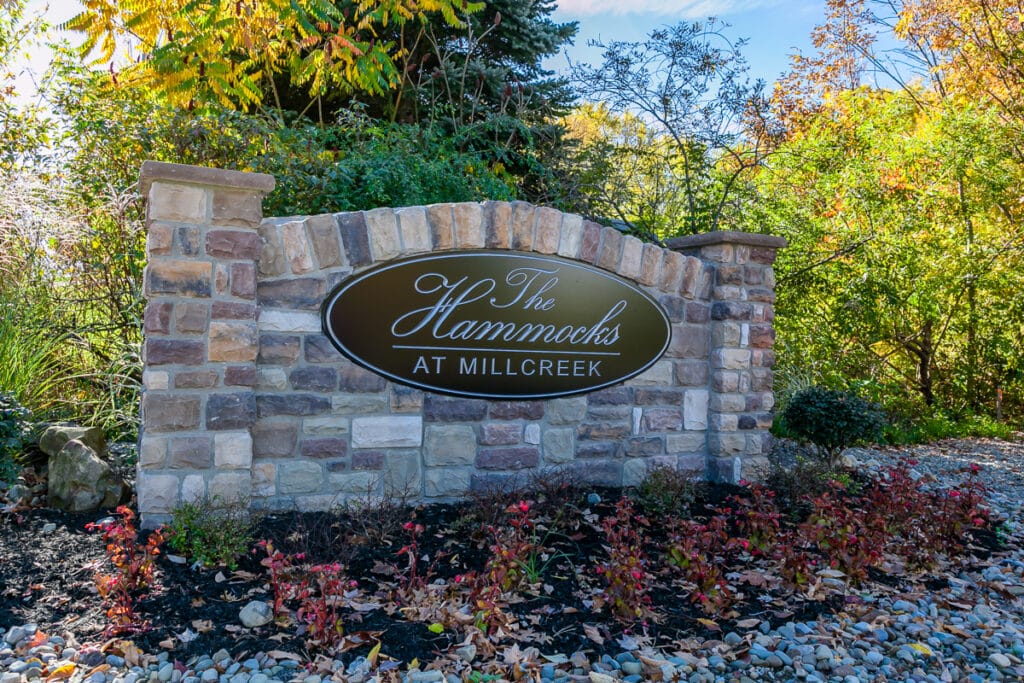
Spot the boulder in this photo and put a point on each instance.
(80, 481)
(257, 613)
(57, 436)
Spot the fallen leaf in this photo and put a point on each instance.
(923, 649)
(168, 644)
(202, 625)
(593, 634)
(220, 578)
(436, 628)
(62, 672)
(709, 624)
(748, 623)
(187, 636)
(281, 654)
(372, 657)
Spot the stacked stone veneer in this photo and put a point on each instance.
(245, 398)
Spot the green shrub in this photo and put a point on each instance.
(13, 431)
(211, 531)
(832, 420)
(668, 491)
(938, 425)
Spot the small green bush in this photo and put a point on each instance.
(668, 491)
(832, 420)
(211, 531)
(14, 429)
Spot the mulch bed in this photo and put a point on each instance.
(47, 578)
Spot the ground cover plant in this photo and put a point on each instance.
(567, 570)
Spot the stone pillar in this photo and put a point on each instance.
(201, 340)
(740, 353)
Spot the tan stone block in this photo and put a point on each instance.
(726, 333)
(178, 203)
(688, 341)
(446, 482)
(402, 475)
(272, 261)
(152, 452)
(299, 477)
(671, 271)
(650, 265)
(728, 403)
(159, 239)
(695, 409)
(231, 487)
(632, 252)
(469, 228)
(498, 225)
(693, 269)
(179, 277)
(193, 488)
(659, 374)
(237, 207)
(155, 380)
(297, 248)
(382, 230)
(741, 253)
(233, 342)
(191, 318)
(157, 492)
(232, 450)
(611, 249)
(264, 480)
(559, 445)
(442, 230)
(413, 227)
(522, 226)
(721, 253)
(686, 442)
(731, 359)
(571, 237)
(169, 413)
(548, 233)
(323, 236)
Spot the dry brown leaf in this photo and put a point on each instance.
(202, 625)
(281, 654)
(748, 623)
(592, 633)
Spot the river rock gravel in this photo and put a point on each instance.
(967, 625)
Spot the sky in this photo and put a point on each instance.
(774, 28)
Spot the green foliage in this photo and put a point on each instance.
(925, 428)
(211, 531)
(686, 89)
(668, 491)
(832, 420)
(14, 428)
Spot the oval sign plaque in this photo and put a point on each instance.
(496, 324)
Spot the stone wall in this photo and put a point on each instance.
(245, 398)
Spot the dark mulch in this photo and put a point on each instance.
(47, 578)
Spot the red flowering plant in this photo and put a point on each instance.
(281, 575)
(134, 565)
(625, 571)
(321, 594)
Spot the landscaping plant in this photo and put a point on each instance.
(13, 430)
(134, 565)
(625, 570)
(832, 420)
(211, 531)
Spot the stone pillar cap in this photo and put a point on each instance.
(159, 171)
(705, 239)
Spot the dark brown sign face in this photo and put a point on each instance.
(496, 324)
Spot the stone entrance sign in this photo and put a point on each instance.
(247, 397)
(496, 324)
